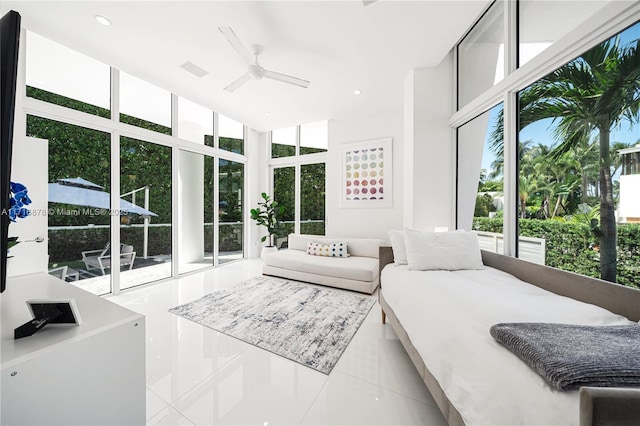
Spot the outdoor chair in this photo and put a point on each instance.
(101, 259)
(60, 272)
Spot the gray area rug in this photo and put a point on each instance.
(308, 325)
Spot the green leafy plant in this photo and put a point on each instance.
(267, 215)
(573, 246)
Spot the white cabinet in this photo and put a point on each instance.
(91, 374)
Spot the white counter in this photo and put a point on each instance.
(93, 373)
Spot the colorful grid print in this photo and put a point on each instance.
(364, 174)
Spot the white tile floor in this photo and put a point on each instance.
(198, 376)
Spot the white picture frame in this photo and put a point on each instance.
(367, 174)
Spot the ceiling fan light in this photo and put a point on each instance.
(256, 71)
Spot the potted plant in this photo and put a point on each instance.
(267, 215)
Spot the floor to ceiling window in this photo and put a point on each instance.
(61, 76)
(299, 180)
(284, 192)
(573, 124)
(231, 209)
(144, 105)
(542, 23)
(145, 224)
(566, 141)
(481, 55)
(230, 135)
(85, 172)
(79, 182)
(312, 199)
(480, 192)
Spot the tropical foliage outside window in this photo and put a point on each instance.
(312, 199)
(284, 183)
(231, 202)
(572, 125)
(75, 152)
(80, 83)
(145, 176)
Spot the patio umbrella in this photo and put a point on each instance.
(81, 192)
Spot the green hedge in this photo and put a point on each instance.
(67, 245)
(573, 247)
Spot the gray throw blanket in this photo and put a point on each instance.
(571, 356)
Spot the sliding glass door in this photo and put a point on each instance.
(144, 254)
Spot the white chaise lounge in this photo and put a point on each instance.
(359, 271)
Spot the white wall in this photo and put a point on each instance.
(429, 163)
(423, 160)
(191, 206)
(364, 222)
(257, 171)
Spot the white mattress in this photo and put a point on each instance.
(447, 316)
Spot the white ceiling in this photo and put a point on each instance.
(339, 46)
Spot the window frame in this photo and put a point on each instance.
(296, 161)
(611, 19)
(118, 129)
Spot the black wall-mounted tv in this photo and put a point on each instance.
(10, 40)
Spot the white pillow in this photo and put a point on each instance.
(449, 251)
(398, 246)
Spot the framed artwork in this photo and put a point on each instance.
(367, 174)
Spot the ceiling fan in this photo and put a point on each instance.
(255, 70)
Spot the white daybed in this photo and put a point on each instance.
(443, 320)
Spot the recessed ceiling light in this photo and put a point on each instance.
(356, 92)
(104, 21)
(267, 114)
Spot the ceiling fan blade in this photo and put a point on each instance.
(286, 78)
(234, 41)
(239, 82)
(368, 2)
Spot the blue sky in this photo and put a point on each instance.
(542, 131)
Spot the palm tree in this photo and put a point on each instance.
(526, 187)
(591, 95)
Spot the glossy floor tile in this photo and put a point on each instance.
(198, 376)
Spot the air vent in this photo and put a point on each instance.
(194, 69)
